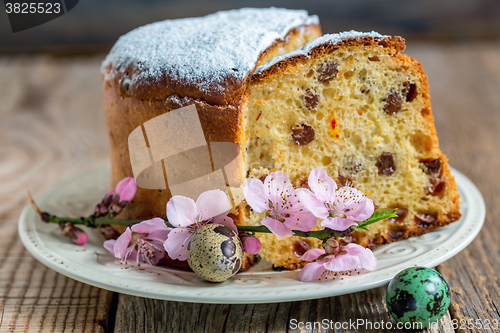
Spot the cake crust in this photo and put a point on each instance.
(209, 58)
(393, 45)
(124, 114)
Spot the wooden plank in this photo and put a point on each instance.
(35, 298)
(359, 312)
(41, 102)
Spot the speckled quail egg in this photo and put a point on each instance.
(418, 294)
(214, 252)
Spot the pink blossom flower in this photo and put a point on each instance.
(76, 234)
(340, 208)
(187, 216)
(142, 243)
(251, 244)
(337, 260)
(277, 197)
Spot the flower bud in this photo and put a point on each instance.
(115, 209)
(126, 189)
(101, 210)
(108, 231)
(330, 246)
(76, 235)
(108, 197)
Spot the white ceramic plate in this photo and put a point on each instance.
(92, 264)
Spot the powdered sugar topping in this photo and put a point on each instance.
(205, 50)
(330, 38)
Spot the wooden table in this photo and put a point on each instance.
(52, 128)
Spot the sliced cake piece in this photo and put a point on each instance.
(352, 104)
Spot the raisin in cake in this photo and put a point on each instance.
(350, 103)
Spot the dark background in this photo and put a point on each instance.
(94, 25)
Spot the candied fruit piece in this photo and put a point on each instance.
(393, 103)
(302, 134)
(386, 165)
(425, 112)
(333, 130)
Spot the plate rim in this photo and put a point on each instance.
(476, 210)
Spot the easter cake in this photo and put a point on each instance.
(291, 100)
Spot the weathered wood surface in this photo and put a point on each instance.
(347, 310)
(51, 128)
(464, 83)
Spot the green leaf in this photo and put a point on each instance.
(378, 215)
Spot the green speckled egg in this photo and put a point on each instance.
(418, 294)
(215, 253)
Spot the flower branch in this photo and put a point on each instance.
(286, 211)
(93, 222)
